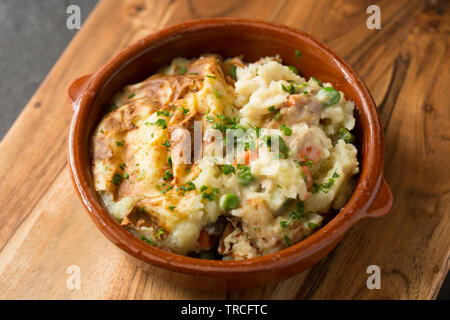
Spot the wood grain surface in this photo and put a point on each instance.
(405, 64)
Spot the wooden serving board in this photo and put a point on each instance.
(405, 64)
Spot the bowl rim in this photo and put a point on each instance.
(369, 181)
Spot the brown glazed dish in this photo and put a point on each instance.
(229, 37)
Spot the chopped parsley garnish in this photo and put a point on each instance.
(168, 189)
(171, 208)
(227, 169)
(122, 166)
(126, 175)
(286, 130)
(287, 240)
(296, 215)
(147, 240)
(184, 188)
(166, 143)
(184, 110)
(203, 188)
(212, 77)
(117, 178)
(211, 196)
(159, 233)
(277, 115)
(271, 108)
(160, 123)
(182, 70)
(131, 95)
(304, 177)
(233, 72)
(298, 54)
(224, 122)
(190, 186)
(307, 163)
(315, 188)
(120, 143)
(290, 88)
(293, 69)
(324, 187)
(164, 113)
(317, 81)
(169, 161)
(168, 175)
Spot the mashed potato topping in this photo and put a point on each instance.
(221, 159)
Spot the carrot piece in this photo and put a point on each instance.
(205, 240)
(247, 156)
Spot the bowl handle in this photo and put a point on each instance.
(77, 87)
(382, 202)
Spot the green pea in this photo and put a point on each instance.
(345, 135)
(312, 226)
(328, 96)
(245, 176)
(229, 201)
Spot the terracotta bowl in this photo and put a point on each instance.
(229, 37)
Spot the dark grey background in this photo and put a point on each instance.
(33, 35)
